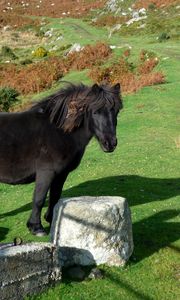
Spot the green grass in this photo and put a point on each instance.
(144, 169)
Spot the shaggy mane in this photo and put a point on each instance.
(66, 107)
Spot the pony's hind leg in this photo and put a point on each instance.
(43, 182)
(55, 194)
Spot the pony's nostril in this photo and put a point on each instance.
(115, 143)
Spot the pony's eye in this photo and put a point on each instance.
(95, 112)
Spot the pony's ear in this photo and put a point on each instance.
(95, 88)
(117, 87)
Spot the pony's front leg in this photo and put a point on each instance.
(55, 194)
(43, 182)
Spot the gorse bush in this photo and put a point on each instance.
(8, 97)
(40, 52)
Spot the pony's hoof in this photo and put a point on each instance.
(40, 233)
(36, 229)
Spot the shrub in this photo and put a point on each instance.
(145, 54)
(8, 97)
(34, 77)
(40, 52)
(31, 78)
(163, 37)
(39, 32)
(127, 52)
(147, 66)
(117, 72)
(7, 52)
(65, 47)
(89, 56)
(131, 77)
(110, 20)
(152, 79)
(151, 6)
(26, 61)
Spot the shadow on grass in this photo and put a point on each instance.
(23, 208)
(3, 232)
(137, 189)
(154, 233)
(109, 275)
(175, 248)
(150, 234)
(133, 293)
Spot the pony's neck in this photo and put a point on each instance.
(83, 135)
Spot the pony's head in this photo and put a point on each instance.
(104, 107)
(95, 107)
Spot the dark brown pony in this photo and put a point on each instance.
(46, 142)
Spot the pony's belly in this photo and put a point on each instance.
(16, 173)
(14, 181)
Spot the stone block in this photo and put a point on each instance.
(27, 269)
(92, 230)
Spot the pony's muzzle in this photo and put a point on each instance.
(109, 145)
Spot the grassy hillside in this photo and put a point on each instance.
(144, 168)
